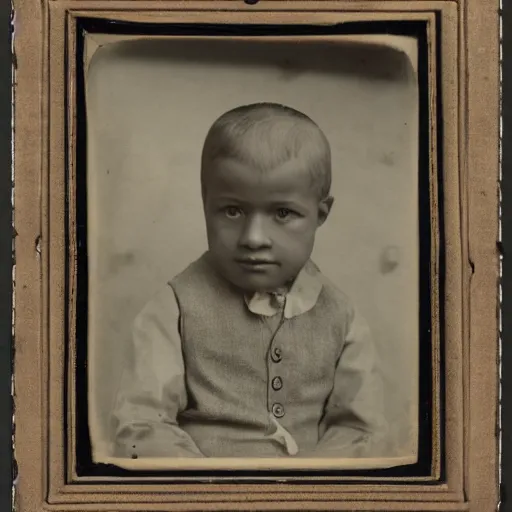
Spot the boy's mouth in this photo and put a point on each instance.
(256, 264)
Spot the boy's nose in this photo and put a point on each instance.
(254, 235)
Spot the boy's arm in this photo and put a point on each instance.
(353, 424)
(152, 391)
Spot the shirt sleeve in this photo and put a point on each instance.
(353, 424)
(152, 391)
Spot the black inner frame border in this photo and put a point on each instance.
(418, 29)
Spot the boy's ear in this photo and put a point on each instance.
(324, 208)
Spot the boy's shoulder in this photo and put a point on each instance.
(194, 271)
(199, 281)
(331, 295)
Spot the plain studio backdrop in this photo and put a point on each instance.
(149, 106)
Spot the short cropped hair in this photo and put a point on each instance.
(265, 136)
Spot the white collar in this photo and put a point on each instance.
(301, 297)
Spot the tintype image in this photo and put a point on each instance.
(253, 250)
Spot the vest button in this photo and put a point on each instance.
(276, 355)
(278, 410)
(277, 383)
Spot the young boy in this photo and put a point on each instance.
(251, 351)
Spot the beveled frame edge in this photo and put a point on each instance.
(39, 148)
(68, 19)
(73, 15)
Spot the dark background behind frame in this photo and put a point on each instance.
(6, 260)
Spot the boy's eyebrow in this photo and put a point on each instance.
(227, 198)
(276, 202)
(287, 202)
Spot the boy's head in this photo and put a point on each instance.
(265, 178)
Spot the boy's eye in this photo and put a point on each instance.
(284, 214)
(232, 212)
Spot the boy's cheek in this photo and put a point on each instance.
(217, 226)
(222, 237)
(298, 233)
(304, 227)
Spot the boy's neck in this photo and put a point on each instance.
(281, 290)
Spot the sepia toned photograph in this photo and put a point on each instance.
(256, 258)
(253, 250)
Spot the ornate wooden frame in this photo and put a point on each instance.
(464, 44)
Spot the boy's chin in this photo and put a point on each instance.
(259, 283)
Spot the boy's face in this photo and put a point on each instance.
(261, 226)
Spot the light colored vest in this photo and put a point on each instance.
(239, 374)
